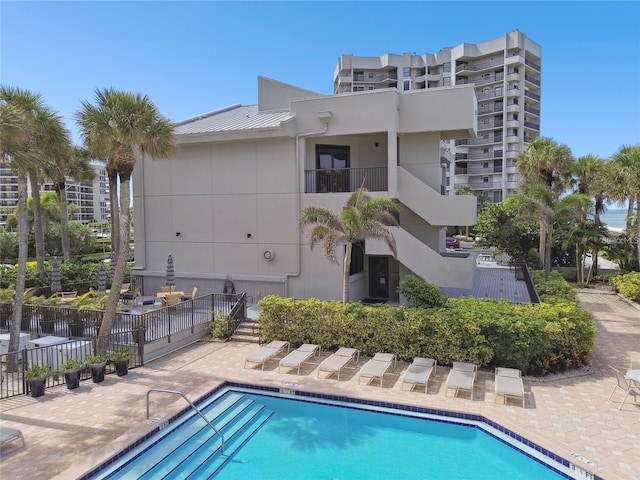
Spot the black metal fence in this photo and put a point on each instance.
(78, 331)
(54, 356)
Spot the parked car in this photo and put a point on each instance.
(453, 242)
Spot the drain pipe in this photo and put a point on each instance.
(324, 118)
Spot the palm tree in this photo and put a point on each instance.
(74, 163)
(362, 217)
(546, 168)
(623, 183)
(22, 144)
(588, 171)
(121, 127)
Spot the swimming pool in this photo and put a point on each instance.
(288, 434)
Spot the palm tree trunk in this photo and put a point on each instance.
(109, 316)
(638, 228)
(542, 244)
(345, 272)
(115, 216)
(61, 191)
(21, 275)
(547, 251)
(37, 225)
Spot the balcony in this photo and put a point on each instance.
(531, 95)
(373, 179)
(532, 110)
(477, 170)
(375, 78)
(479, 156)
(531, 79)
(531, 64)
(489, 95)
(478, 67)
(498, 107)
(480, 141)
(489, 125)
(534, 126)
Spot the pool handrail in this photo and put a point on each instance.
(176, 392)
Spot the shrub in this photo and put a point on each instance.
(219, 325)
(420, 293)
(553, 289)
(536, 339)
(628, 285)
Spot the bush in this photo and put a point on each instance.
(219, 325)
(537, 339)
(628, 285)
(420, 293)
(553, 289)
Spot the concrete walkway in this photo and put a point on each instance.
(67, 432)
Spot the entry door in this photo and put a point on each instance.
(379, 277)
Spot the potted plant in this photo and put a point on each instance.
(71, 369)
(98, 365)
(36, 377)
(120, 359)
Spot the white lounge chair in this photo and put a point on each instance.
(267, 351)
(419, 372)
(335, 362)
(300, 355)
(9, 434)
(508, 383)
(378, 366)
(462, 377)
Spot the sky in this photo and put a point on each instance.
(194, 57)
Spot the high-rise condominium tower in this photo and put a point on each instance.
(506, 73)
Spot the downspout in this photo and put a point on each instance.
(324, 116)
(143, 225)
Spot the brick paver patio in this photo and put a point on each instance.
(69, 431)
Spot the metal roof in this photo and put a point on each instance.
(498, 283)
(233, 118)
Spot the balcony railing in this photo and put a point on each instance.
(480, 141)
(494, 124)
(477, 170)
(535, 126)
(532, 110)
(478, 67)
(529, 63)
(498, 107)
(479, 156)
(529, 94)
(373, 179)
(531, 79)
(375, 78)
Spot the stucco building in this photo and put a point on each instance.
(226, 205)
(506, 75)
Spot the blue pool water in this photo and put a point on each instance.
(270, 437)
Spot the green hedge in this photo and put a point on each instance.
(628, 285)
(537, 339)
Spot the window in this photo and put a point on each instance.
(406, 72)
(446, 67)
(406, 85)
(332, 164)
(357, 258)
(446, 81)
(485, 179)
(358, 88)
(497, 91)
(371, 75)
(358, 76)
(370, 87)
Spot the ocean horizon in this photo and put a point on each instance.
(615, 218)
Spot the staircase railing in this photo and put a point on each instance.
(176, 392)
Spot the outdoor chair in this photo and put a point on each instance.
(625, 385)
(508, 383)
(378, 366)
(299, 356)
(419, 372)
(190, 297)
(9, 434)
(335, 362)
(266, 352)
(462, 377)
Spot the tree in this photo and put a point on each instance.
(22, 143)
(74, 163)
(588, 171)
(546, 168)
(122, 127)
(362, 217)
(623, 184)
(510, 228)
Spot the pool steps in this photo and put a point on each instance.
(234, 415)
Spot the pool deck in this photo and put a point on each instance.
(67, 432)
